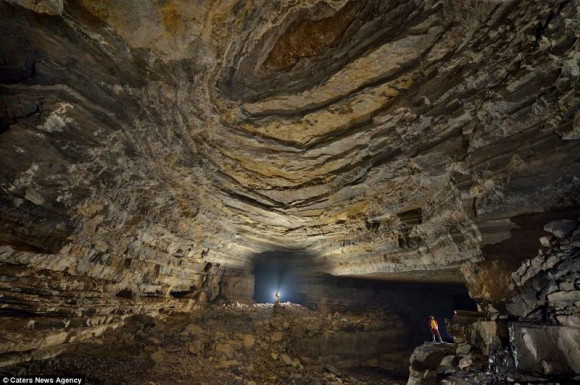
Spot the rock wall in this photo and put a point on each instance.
(547, 301)
(147, 146)
(538, 339)
(380, 150)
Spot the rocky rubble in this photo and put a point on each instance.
(547, 286)
(237, 344)
(537, 341)
(466, 358)
(547, 302)
(488, 358)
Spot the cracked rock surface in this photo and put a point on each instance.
(149, 151)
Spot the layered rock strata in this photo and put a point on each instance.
(143, 144)
(547, 301)
(538, 341)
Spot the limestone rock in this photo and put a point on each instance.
(158, 357)
(235, 344)
(465, 362)
(51, 7)
(249, 341)
(331, 369)
(195, 347)
(227, 364)
(429, 356)
(561, 229)
(545, 241)
(463, 349)
(558, 346)
(340, 138)
(154, 340)
(151, 151)
(572, 321)
(545, 285)
(276, 337)
(224, 350)
(448, 361)
(286, 359)
(192, 330)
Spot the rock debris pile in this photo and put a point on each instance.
(547, 285)
(237, 344)
(536, 339)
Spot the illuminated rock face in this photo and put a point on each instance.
(144, 143)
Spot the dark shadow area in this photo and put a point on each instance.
(413, 302)
(298, 278)
(3, 126)
(19, 218)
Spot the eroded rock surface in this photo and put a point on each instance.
(536, 341)
(547, 301)
(150, 150)
(259, 344)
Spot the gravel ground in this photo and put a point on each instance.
(221, 345)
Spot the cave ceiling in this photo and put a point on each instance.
(384, 138)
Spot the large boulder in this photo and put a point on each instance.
(425, 360)
(487, 334)
(429, 356)
(249, 341)
(546, 349)
(562, 228)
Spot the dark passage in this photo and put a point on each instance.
(298, 280)
(283, 271)
(414, 302)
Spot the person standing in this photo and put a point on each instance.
(434, 329)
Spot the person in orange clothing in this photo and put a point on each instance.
(434, 329)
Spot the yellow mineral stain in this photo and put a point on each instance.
(324, 122)
(98, 8)
(170, 17)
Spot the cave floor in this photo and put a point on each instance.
(238, 344)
